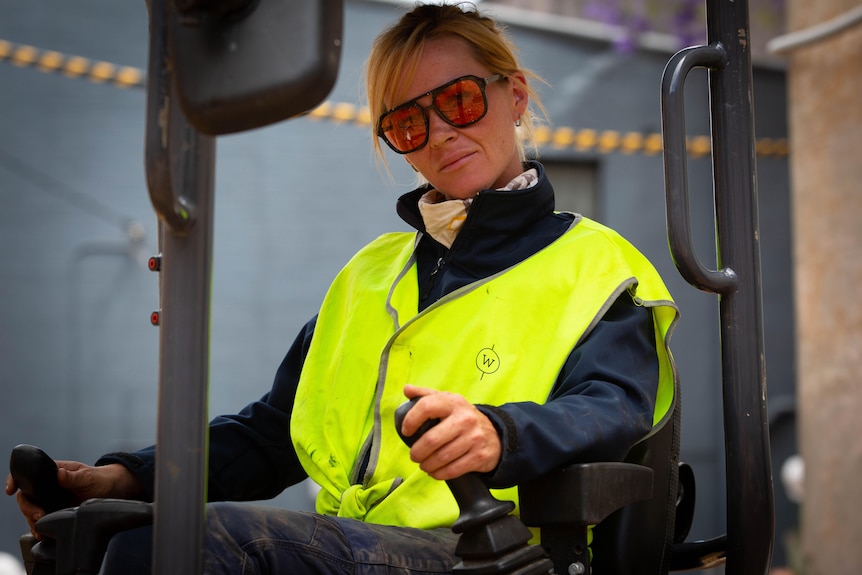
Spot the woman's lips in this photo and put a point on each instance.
(455, 161)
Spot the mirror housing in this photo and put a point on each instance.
(242, 65)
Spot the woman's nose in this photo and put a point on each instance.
(439, 131)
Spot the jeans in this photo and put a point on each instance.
(254, 540)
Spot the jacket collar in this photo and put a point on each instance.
(491, 210)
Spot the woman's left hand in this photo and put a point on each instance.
(465, 440)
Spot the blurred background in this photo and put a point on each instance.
(78, 356)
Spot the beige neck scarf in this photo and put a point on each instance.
(443, 217)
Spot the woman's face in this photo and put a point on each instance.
(460, 162)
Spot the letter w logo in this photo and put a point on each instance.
(487, 361)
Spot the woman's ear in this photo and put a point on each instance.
(519, 92)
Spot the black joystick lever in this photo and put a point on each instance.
(492, 540)
(35, 474)
(75, 536)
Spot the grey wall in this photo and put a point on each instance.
(293, 202)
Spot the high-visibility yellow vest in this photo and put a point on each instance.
(501, 339)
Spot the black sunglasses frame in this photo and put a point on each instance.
(483, 83)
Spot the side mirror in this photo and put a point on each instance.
(243, 64)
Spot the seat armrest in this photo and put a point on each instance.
(82, 533)
(583, 493)
(99, 520)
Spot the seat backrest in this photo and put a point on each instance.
(637, 538)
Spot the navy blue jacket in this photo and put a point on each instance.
(601, 404)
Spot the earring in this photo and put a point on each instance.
(518, 122)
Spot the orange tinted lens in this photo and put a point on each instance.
(404, 128)
(461, 102)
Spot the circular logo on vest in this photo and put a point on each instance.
(487, 361)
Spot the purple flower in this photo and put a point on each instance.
(682, 18)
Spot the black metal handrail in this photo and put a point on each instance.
(737, 281)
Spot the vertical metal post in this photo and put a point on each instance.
(180, 175)
(750, 505)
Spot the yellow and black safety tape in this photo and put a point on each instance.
(562, 138)
(23, 55)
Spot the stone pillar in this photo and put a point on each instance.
(825, 95)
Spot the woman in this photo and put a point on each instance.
(536, 338)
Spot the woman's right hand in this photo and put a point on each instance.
(85, 482)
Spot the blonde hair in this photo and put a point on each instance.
(400, 45)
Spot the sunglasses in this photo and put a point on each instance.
(461, 103)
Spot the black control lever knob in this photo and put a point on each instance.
(492, 541)
(35, 474)
(477, 505)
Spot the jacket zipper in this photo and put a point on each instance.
(433, 277)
